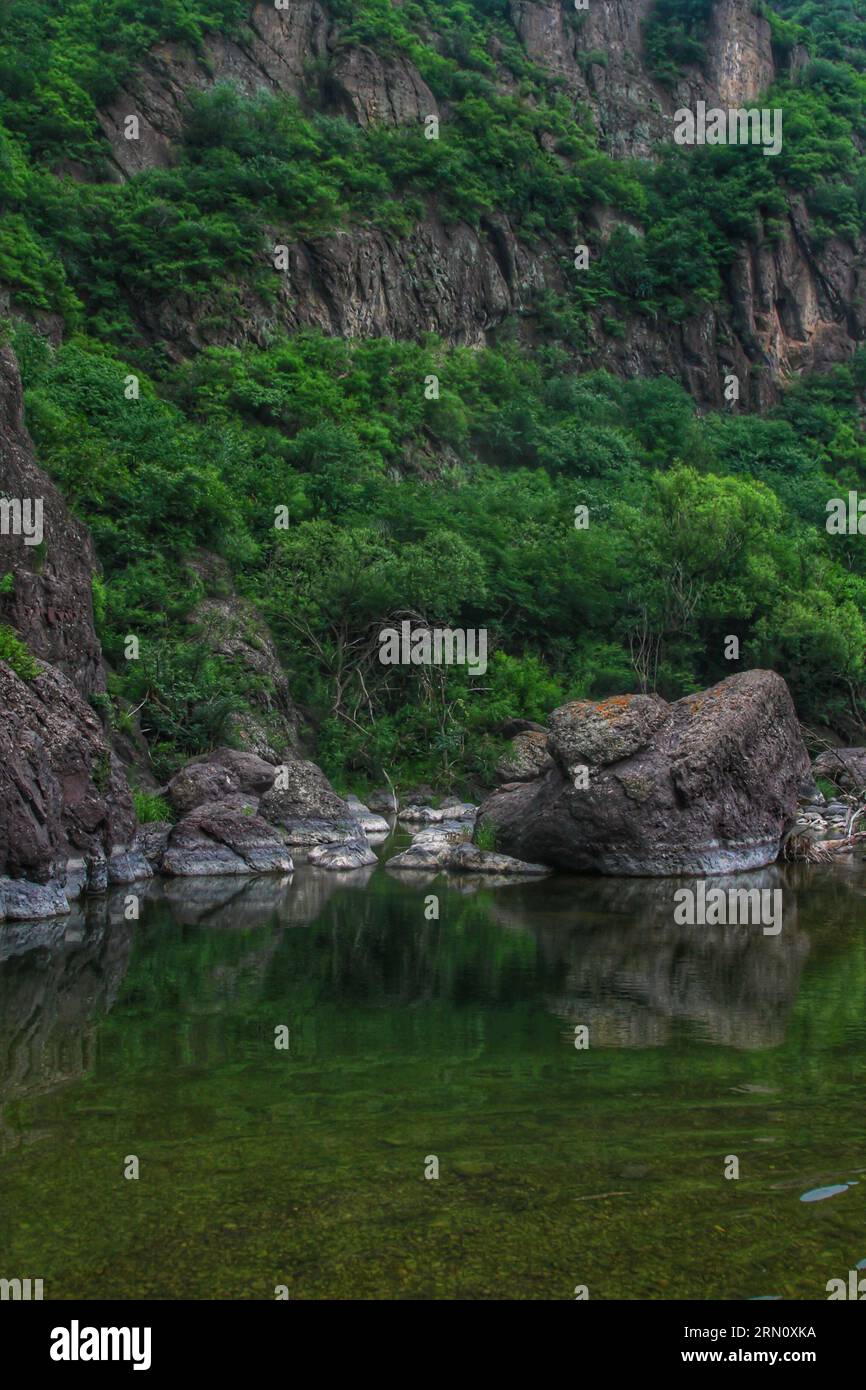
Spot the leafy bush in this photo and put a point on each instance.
(17, 655)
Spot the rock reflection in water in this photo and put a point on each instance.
(631, 971)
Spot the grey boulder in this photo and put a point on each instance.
(707, 784)
(225, 837)
(305, 806)
(353, 854)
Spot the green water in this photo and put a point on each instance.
(412, 1038)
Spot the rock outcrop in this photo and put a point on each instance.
(67, 822)
(641, 787)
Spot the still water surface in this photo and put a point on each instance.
(454, 1038)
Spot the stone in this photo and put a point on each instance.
(527, 757)
(353, 854)
(705, 785)
(307, 809)
(370, 823)
(383, 801)
(63, 792)
(217, 775)
(21, 900)
(431, 815)
(225, 837)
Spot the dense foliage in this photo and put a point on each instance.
(458, 510)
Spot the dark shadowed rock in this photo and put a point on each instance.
(384, 802)
(706, 785)
(305, 806)
(844, 767)
(225, 837)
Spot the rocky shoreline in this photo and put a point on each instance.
(632, 786)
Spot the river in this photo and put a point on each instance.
(415, 1043)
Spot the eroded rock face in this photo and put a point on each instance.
(307, 809)
(706, 785)
(225, 837)
(66, 817)
(792, 304)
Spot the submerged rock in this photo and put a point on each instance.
(225, 837)
(353, 854)
(430, 815)
(439, 851)
(705, 785)
(469, 859)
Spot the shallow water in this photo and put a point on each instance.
(412, 1038)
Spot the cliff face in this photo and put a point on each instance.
(66, 814)
(787, 309)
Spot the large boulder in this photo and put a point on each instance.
(370, 822)
(214, 776)
(305, 806)
(844, 767)
(225, 837)
(705, 785)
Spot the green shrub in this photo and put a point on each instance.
(17, 655)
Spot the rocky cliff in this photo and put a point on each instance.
(788, 307)
(67, 822)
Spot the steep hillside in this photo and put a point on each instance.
(307, 346)
(306, 127)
